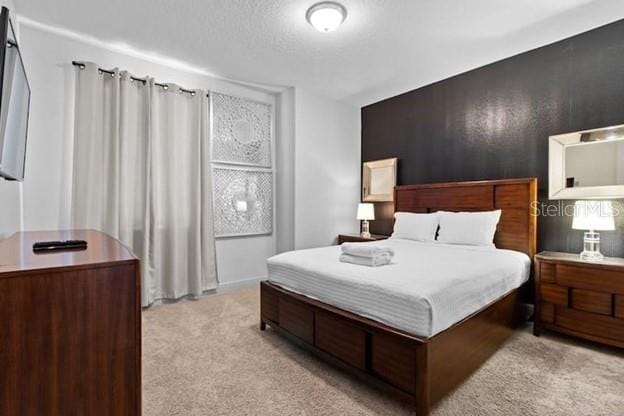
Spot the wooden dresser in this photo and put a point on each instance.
(580, 298)
(70, 332)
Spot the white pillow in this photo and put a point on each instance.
(470, 228)
(411, 226)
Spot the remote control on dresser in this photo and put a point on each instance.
(41, 246)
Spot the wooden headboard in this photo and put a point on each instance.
(517, 198)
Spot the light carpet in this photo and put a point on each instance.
(208, 357)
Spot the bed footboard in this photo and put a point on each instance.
(419, 370)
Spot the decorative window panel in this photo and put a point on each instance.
(241, 131)
(243, 201)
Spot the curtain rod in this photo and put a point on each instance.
(82, 65)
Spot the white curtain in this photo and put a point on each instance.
(142, 175)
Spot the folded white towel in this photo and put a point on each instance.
(379, 260)
(365, 250)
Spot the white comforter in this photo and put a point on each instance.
(427, 288)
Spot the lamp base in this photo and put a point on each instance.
(365, 233)
(591, 247)
(591, 256)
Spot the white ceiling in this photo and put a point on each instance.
(385, 47)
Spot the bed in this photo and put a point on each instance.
(416, 338)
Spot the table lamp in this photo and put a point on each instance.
(365, 212)
(592, 216)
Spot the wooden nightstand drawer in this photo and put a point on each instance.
(592, 301)
(590, 278)
(548, 272)
(589, 323)
(580, 298)
(547, 312)
(557, 295)
(619, 306)
(357, 238)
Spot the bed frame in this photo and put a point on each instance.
(420, 370)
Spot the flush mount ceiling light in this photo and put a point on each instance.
(326, 16)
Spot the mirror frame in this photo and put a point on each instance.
(367, 167)
(556, 169)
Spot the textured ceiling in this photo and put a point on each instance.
(384, 47)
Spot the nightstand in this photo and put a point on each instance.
(580, 298)
(356, 238)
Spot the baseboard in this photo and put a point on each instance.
(227, 287)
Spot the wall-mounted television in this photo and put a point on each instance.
(14, 103)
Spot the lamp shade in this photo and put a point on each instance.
(366, 212)
(593, 215)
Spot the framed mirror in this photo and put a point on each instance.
(378, 180)
(587, 164)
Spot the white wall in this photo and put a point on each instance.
(47, 184)
(317, 157)
(10, 207)
(10, 192)
(327, 166)
(285, 172)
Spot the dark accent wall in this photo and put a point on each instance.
(494, 122)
